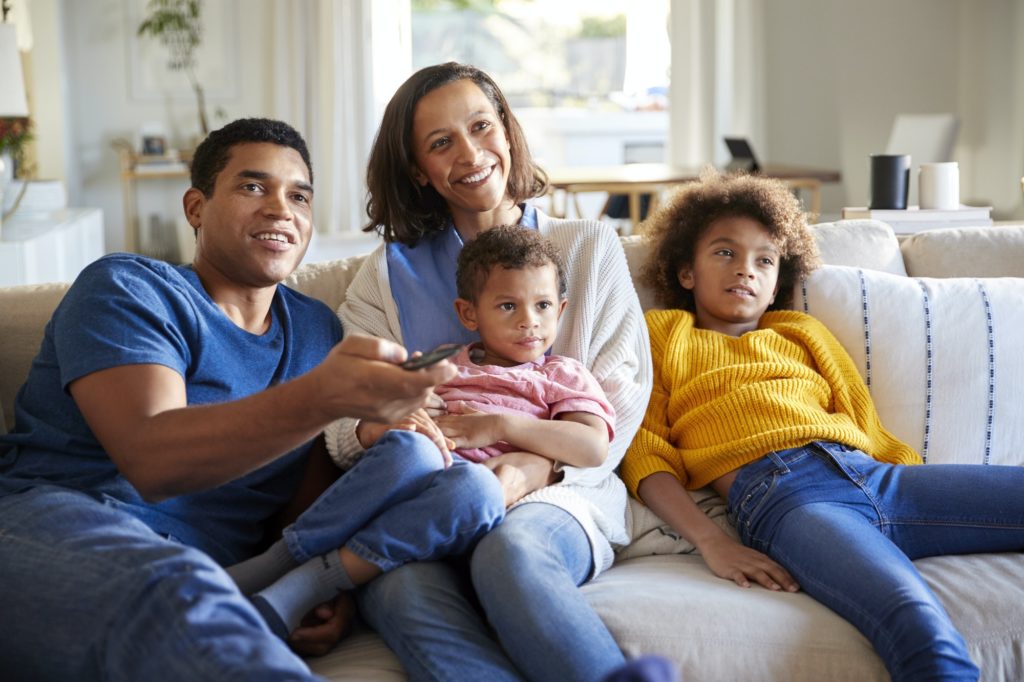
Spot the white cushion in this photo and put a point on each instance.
(995, 251)
(715, 630)
(942, 357)
(862, 243)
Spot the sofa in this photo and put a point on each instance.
(935, 321)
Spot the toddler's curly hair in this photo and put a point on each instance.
(673, 231)
(509, 246)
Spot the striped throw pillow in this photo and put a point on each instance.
(943, 358)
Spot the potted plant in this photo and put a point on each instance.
(15, 133)
(176, 24)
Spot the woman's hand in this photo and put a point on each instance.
(730, 560)
(521, 473)
(324, 627)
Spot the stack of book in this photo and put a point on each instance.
(916, 219)
(146, 164)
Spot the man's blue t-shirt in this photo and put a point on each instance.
(126, 309)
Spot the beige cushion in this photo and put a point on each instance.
(863, 243)
(715, 630)
(363, 656)
(942, 357)
(995, 251)
(637, 251)
(24, 312)
(327, 280)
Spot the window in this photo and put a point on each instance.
(593, 54)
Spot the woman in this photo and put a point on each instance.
(449, 162)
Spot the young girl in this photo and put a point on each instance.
(512, 292)
(766, 407)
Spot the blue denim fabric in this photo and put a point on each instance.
(399, 504)
(847, 527)
(526, 573)
(91, 593)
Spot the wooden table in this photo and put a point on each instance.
(637, 179)
(132, 171)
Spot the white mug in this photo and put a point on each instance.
(939, 185)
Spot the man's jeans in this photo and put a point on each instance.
(399, 504)
(88, 592)
(847, 527)
(526, 573)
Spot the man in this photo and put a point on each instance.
(167, 418)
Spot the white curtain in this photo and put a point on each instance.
(336, 63)
(717, 75)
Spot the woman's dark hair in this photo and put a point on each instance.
(508, 246)
(213, 153)
(674, 229)
(399, 208)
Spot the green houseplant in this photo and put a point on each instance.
(177, 25)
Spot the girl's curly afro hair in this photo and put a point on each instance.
(673, 231)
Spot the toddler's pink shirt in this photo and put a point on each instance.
(543, 388)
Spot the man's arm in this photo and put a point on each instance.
(164, 447)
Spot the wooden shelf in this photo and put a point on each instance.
(135, 168)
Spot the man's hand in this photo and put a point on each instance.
(324, 627)
(521, 473)
(361, 378)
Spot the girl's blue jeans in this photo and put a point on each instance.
(399, 504)
(847, 528)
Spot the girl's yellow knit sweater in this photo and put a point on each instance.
(720, 401)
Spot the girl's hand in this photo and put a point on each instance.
(730, 560)
(472, 428)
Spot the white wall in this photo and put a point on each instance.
(102, 107)
(837, 73)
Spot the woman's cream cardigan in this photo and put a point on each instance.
(602, 327)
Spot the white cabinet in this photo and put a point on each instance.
(49, 246)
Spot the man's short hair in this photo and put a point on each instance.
(213, 153)
(511, 247)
